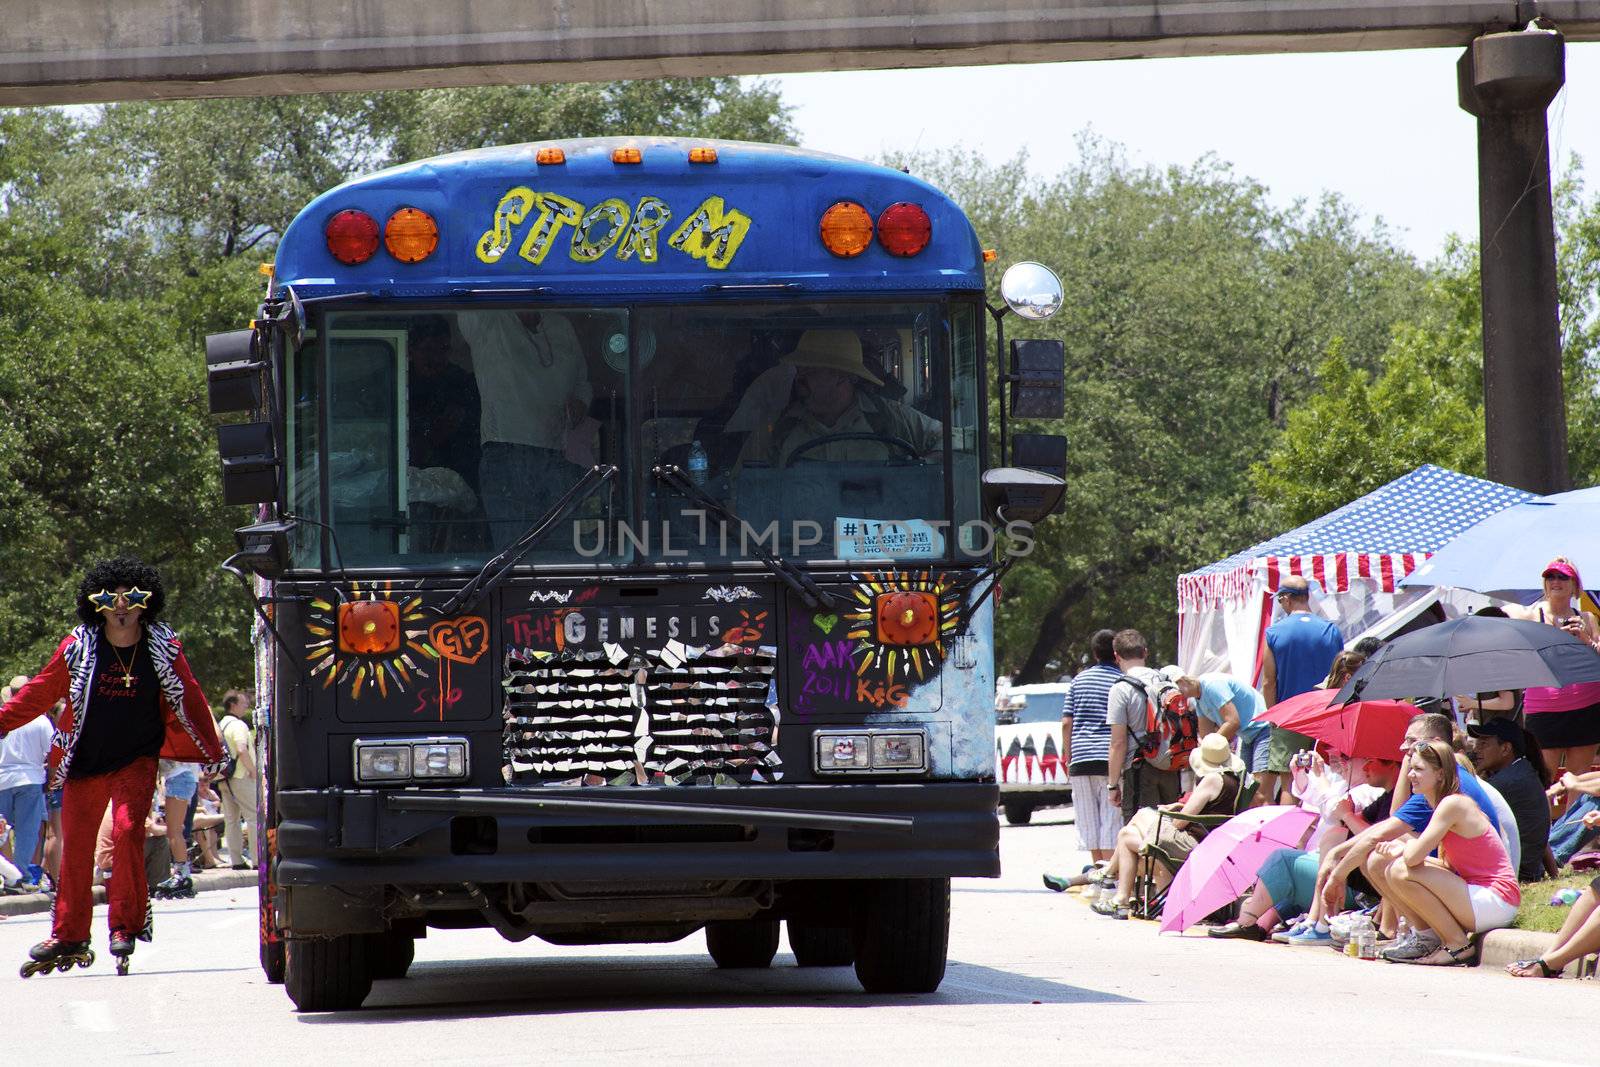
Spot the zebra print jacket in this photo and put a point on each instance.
(191, 732)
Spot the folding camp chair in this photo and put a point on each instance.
(1157, 867)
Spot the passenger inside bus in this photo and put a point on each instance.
(442, 437)
(829, 401)
(534, 381)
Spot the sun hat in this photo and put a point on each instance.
(1214, 757)
(836, 350)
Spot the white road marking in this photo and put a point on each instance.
(91, 1015)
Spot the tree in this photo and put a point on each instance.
(1425, 403)
(1196, 314)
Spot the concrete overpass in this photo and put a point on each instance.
(78, 51)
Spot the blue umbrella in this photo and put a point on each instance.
(1505, 554)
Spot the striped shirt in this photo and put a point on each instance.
(1086, 704)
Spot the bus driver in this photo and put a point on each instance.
(829, 401)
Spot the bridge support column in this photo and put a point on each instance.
(1507, 80)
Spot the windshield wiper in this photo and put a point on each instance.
(484, 582)
(814, 596)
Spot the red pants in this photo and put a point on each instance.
(83, 805)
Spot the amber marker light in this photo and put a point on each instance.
(548, 156)
(702, 155)
(352, 237)
(907, 618)
(846, 229)
(626, 155)
(411, 235)
(369, 627)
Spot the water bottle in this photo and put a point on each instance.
(699, 464)
(1366, 940)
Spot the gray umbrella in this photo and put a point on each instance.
(1477, 654)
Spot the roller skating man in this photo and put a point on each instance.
(130, 698)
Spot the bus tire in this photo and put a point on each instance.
(743, 942)
(820, 946)
(327, 973)
(389, 955)
(902, 934)
(1018, 812)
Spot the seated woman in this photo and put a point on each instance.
(1579, 936)
(1472, 888)
(1288, 882)
(1216, 793)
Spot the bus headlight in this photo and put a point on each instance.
(407, 759)
(377, 762)
(871, 750)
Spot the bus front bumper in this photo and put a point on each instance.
(772, 832)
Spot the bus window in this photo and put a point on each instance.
(965, 427)
(451, 432)
(822, 426)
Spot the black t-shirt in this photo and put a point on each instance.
(123, 721)
(445, 410)
(1375, 812)
(1524, 794)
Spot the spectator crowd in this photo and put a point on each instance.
(197, 821)
(1412, 855)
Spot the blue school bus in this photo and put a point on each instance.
(625, 535)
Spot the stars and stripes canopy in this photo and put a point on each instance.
(1382, 536)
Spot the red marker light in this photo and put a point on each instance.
(352, 237)
(904, 229)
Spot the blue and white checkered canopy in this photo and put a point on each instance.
(1382, 536)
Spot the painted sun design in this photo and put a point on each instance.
(365, 672)
(900, 660)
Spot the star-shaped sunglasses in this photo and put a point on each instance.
(105, 600)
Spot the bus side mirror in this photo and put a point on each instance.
(249, 463)
(1038, 369)
(263, 548)
(1012, 494)
(233, 371)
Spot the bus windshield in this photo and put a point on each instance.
(830, 429)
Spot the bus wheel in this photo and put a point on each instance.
(820, 946)
(327, 973)
(901, 935)
(743, 942)
(389, 954)
(1018, 812)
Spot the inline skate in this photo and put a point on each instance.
(122, 948)
(178, 887)
(53, 955)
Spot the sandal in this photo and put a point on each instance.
(1449, 957)
(1110, 909)
(1525, 969)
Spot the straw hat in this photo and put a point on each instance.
(1214, 757)
(836, 350)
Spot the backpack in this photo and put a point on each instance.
(1171, 726)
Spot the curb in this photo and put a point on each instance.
(204, 881)
(1501, 947)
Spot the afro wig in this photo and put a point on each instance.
(122, 572)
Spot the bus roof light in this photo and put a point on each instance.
(411, 235)
(846, 229)
(352, 237)
(548, 156)
(904, 229)
(626, 155)
(702, 155)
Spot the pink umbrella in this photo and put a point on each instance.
(1224, 865)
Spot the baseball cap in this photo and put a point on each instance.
(1499, 729)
